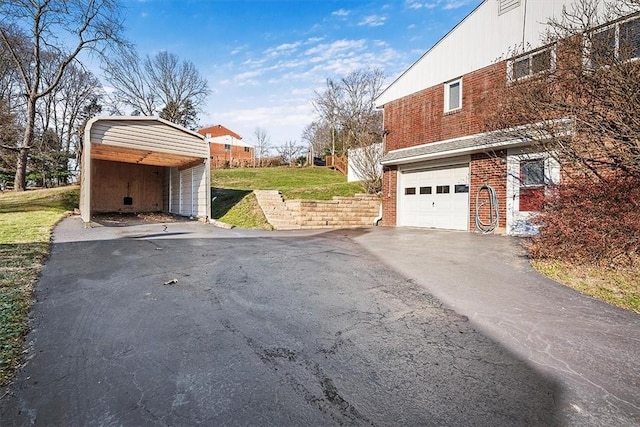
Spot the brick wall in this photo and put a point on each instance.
(486, 169)
(389, 193)
(234, 156)
(420, 118)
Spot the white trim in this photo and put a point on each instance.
(518, 221)
(507, 143)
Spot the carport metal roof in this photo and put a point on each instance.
(139, 140)
(144, 140)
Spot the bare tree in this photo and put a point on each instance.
(318, 135)
(64, 28)
(347, 108)
(288, 151)
(592, 84)
(161, 84)
(263, 144)
(577, 99)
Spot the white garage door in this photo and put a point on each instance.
(436, 198)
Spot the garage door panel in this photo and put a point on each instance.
(428, 198)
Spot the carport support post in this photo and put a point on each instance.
(85, 176)
(207, 168)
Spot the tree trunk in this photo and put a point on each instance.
(20, 181)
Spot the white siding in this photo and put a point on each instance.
(353, 174)
(484, 37)
(198, 189)
(151, 135)
(189, 191)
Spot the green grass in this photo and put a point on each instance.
(617, 286)
(247, 214)
(236, 205)
(26, 221)
(316, 183)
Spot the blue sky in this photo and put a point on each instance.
(265, 58)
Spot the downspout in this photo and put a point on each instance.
(377, 219)
(524, 24)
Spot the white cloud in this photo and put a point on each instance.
(328, 50)
(455, 4)
(283, 48)
(340, 12)
(443, 4)
(373, 21)
(239, 49)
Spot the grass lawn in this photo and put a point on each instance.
(235, 204)
(617, 286)
(26, 221)
(317, 183)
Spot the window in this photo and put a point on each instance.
(630, 39)
(425, 190)
(532, 173)
(461, 188)
(442, 189)
(603, 47)
(409, 191)
(227, 146)
(532, 63)
(453, 95)
(532, 182)
(618, 41)
(247, 149)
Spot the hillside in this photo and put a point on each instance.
(234, 203)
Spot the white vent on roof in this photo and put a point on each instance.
(507, 5)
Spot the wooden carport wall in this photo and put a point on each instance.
(148, 141)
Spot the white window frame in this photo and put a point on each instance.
(529, 57)
(588, 61)
(447, 100)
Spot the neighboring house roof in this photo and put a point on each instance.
(493, 31)
(218, 130)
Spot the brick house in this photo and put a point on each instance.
(227, 148)
(441, 168)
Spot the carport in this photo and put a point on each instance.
(143, 164)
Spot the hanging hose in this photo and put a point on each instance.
(494, 212)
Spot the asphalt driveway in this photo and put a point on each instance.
(188, 324)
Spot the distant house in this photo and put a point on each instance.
(227, 148)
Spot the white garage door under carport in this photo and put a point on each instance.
(435, 198)
(143, 164)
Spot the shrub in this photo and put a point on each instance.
(591, 222)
